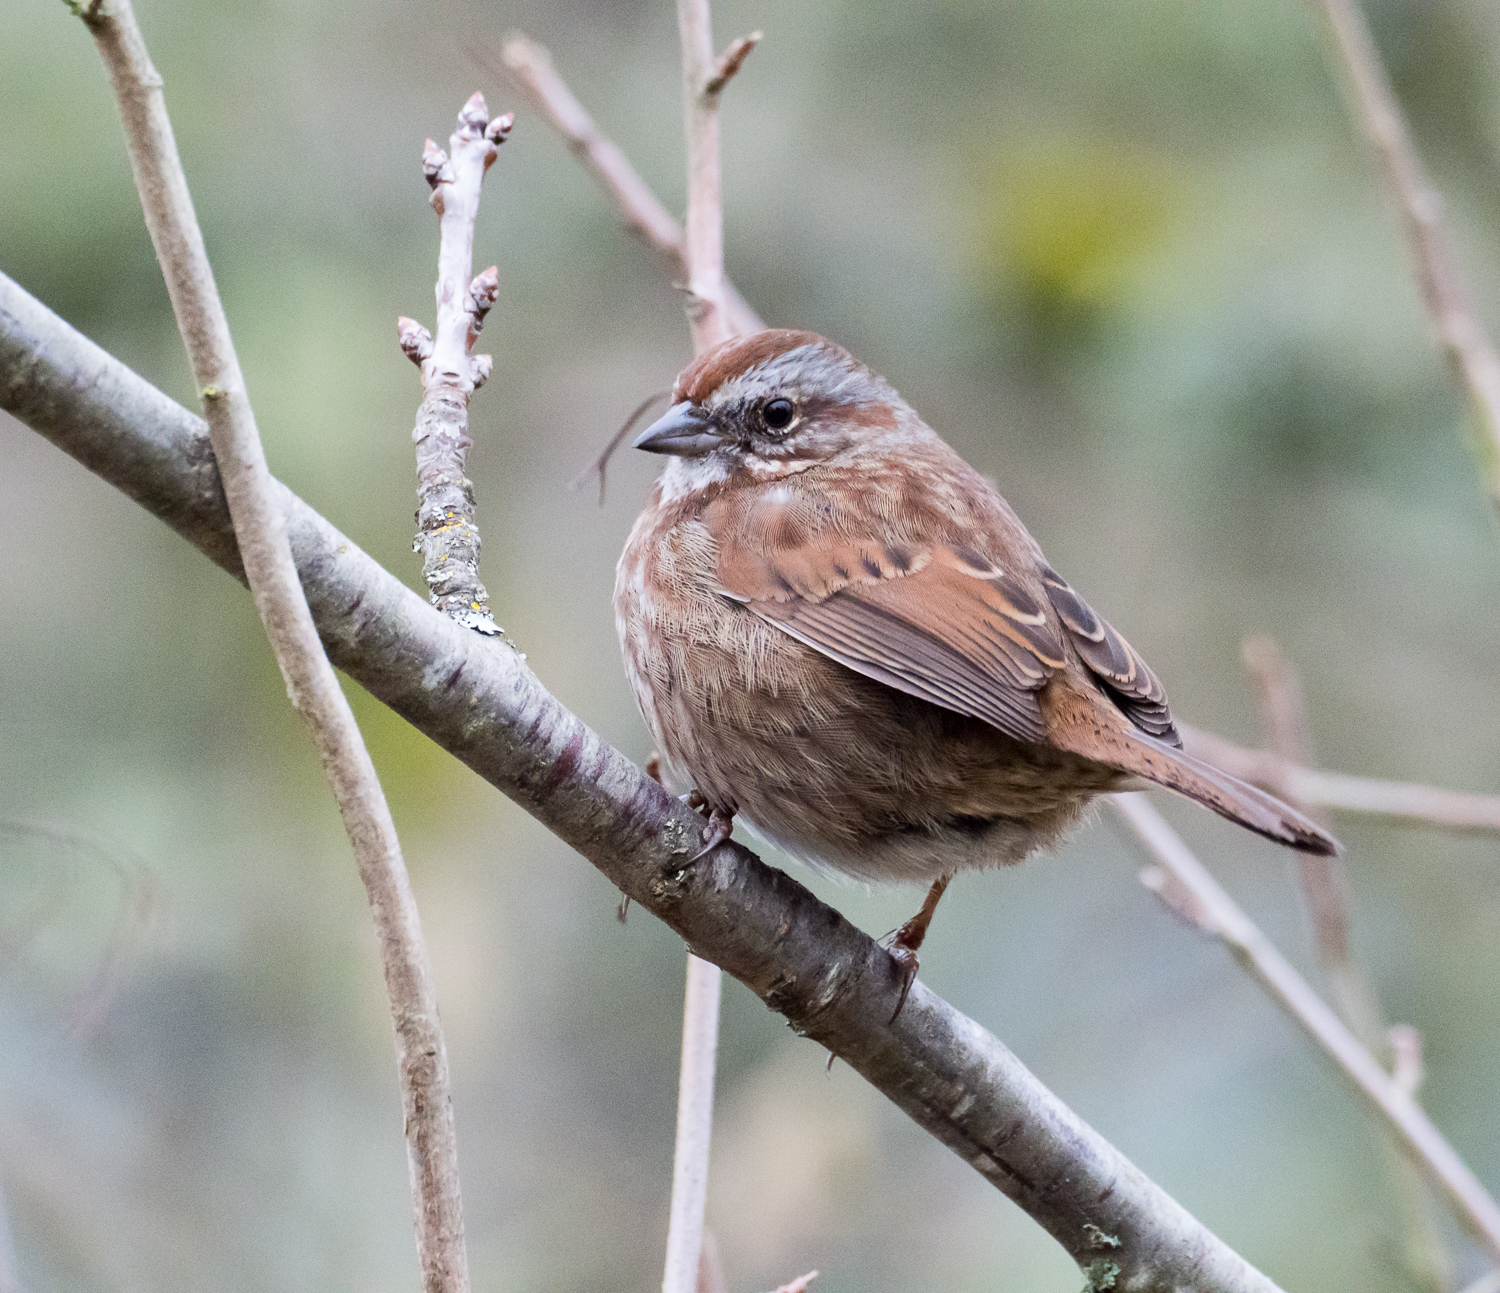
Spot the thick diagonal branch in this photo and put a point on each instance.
(832, 982)
(259, 527)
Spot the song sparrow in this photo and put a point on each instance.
(839, 632)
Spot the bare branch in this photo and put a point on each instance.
(529, 69)
(704, 226)
(1469, 351)
(447, 535)
(1397, 801)
(1321, 878)
(259, 527)
(1191, 893)
(695, 1116)
(1324, 896)
(833, 983)
(709, 323)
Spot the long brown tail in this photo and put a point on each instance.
(1213, 788)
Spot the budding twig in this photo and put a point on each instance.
(447, 536)
(1187, 889)
(261, 533)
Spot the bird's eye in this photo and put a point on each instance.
(778, 414)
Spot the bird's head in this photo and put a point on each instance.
(772, 404)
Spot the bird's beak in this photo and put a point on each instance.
(684, 430)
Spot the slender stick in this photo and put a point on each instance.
(1322, 879)
(703, 250)
(1181, 881)
(1325, 898)
(447, 535)
(261, 535)
(703, 243)
(1470, 353)
(529, 69)
(695, 1116)
(1396, 801)
(833, 983)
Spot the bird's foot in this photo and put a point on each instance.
(720, 827)
(908, 939)
(907, 965)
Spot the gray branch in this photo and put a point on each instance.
(477, 699)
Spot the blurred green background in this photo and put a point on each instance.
(1132, 260)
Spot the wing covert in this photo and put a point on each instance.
(937, 621)
(1126, 678)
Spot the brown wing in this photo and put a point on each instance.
(936, 621)
(1126, 678)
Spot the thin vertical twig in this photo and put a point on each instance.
(703, 79)
(1469, 350)
(447, 536)
(1187, 889)
(529, 69)
(1325, 898)
(695, 1116)
(1321, 878)
(260, 530)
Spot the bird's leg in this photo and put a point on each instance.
(908, 939)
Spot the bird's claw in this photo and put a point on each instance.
(907, 965)
(720, 827)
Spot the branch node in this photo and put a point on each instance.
(435, 164)
(729, 62)
(483, 292)
(480, 368)
(473, 117)
(416, 341)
